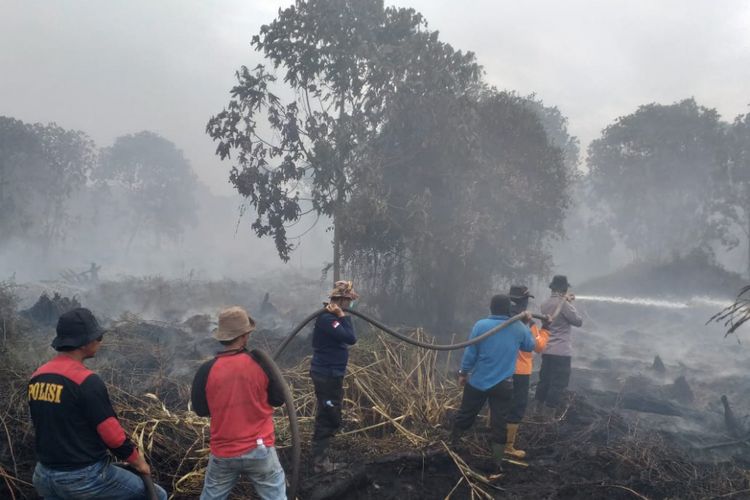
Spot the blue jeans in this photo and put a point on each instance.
(101, 480)
(260, 465)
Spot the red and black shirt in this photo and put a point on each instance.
(238, 394)
(73, 417)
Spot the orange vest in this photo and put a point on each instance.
(525, 359)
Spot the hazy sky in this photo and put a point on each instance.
(115, 67)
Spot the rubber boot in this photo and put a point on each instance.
(455, 439)
(510, 442)
(321, 462)
(537, 408)
(548, 414)
(498, 453)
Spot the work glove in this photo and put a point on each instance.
(546, 322)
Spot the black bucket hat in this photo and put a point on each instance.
(518, 292)
(560, 282)
(76, 328)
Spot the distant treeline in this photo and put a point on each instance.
(56, 184)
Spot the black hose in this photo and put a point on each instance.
(148, 482)
(438, 347)
(294, 333)
(400, 336)
(265, 360)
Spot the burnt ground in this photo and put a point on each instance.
(588, 454)
(645, 420)
(633, 428)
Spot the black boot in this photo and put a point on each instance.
(321, 462)
(498, 454)
(455, 439)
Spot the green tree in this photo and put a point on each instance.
(156, 182)
(735, 185)
(655, 172)
(462, 194)
(20, 162)
(342, 62)
(41, 167)
(556, 126)
(70, 156)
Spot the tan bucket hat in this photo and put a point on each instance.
(233, 322)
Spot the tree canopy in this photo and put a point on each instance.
(436, 184)
(460, 196)
(41, 167)
(156, 181)
(342, 63)
(655, 172)
(734, 192)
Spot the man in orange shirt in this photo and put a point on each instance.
(519, 296)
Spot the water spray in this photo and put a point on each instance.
(649, 302)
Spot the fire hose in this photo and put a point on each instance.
(148, 482)
(268, 362)
(401, 336)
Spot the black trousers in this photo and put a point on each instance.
(520, 398)
(329, 393)
(553, 379)
(500, 397)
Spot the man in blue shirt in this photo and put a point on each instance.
(332, 336)
(487, 373)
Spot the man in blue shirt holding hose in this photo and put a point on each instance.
(487, 373)
(331, 339)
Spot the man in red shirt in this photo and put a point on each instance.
(239, 396)
(75, 425)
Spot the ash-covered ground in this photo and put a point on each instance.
(644, 419)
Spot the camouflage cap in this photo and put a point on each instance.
(343, 289)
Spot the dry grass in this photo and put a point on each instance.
(737, 314)
(397, 397)
(8, 318)
(16, 443)
(394, 394)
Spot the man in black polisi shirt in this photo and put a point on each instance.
(75, 424)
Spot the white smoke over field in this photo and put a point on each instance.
(218, 245)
